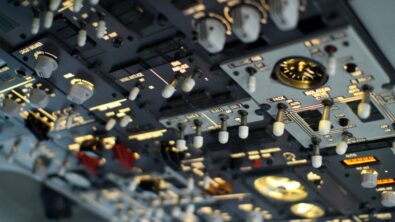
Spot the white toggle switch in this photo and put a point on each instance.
(251, 83)
(45, 66)
(364, 107)
(198, 141)
(188, 84)
(110, 124)
(206, 182)
(369, 178)
(48, 19)
(198, 138)
(284, 13)
(77, 6)
(39, 98)
(316, 161)
(11, 107)
(35, 25)
(223, 134)
(168, 91)
(190, 184)
(325, 124)
(133, 184)
(81, 37)
(211, 34)
(181, 144)
(254, 216)
(331, 66)
(134, 92)
(246, 23)
(388, 198)
(279, 126)
(101, 29)
(125, 121)
(223, 137)
(54, 4)
(243, 128)
(342, 145)
(94, 2)
(80, 92)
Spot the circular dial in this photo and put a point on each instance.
(301, 73)
(280, 188)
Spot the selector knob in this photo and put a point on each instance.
(11, 107)
(388, 198)
(39, 98)
(45, 66)
(325, 124)
(211, 34)
(284, 13)
(223, 134)
(80, 91)
(369, 178)
(246, 22)
(279, 126)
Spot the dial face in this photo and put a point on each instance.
(280, 188)
(301, 73)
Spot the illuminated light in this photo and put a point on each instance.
(151, 87)
(17, 85)
(148, 135)
(68, 75)
(360, 161)
(237, 155)
(107, 106)
(385, 182)
(280, 188)
(132, 77)
(307, 210)
(30, 48)
(74, 147)
(246, 207)
(4, 69)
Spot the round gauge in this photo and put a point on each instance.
(280, 188)
(300, 73)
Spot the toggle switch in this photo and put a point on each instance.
(133, 184)
(110, 124)
(246, 22)
(284, 13)
(125, 121)
(54, 4)
(189, 82)
(279, 126)
(324, 125)
(170, 89)
(190, 184)
(45, 66)
(82, 34)
(135, 91)
(243, 128)
(251, 80)
(39, 98)
(48, 19)
(364, 107)
(316, 158)
(181, 144)
(77, 6)
(35, 21)
(331, 64)
(254, 216)
(101, 26)
(342, 145)
(388, 198)
(206, 181)
(223, 135)
(94, 2)
(198, 138)
(369, 178)
(211, 34)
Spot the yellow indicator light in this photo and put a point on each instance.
(386, 181)
(280, 188)
(307, 210)
(148, 135)
(360, 161)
